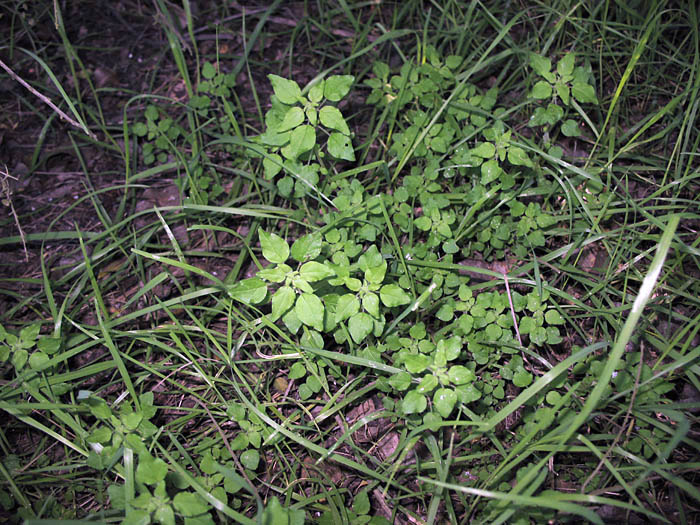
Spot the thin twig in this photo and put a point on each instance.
(512, 310)
(46, 100)
(8, 196)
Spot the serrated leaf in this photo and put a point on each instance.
(360, 326)
(282, 301)
(293, 118)
(287, 91)
(348, 305)
(393, 295)
(337, 86)
(414, 403)
(302, 139)
(307, 247)
(310, 310)
(569, 128)
(274, 248)
(541, 90)
(331, 117)
(314, 271)
(444, 401)
(584, 93)
(340, 146)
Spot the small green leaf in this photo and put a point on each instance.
(518, 157)
(541, 65)
(553, 317)
(565, 66)
(302, 139)
(360, 503)
(189, 504)
(427, 384)
(282, 301)
(151, 470)
(445, 313)
(417, 363)
(584, 93)
(293, 118)
(249, 291)
(348, 305)
(444, 401)
(522, 378)
(370, 302)
(460, 375)
(274, 248)
(314, 271)
(400, 381)
(393, 295)
(316, 92)
(332, 118)
(208, 70)
(485, 150)
(310, 310)
(297, 371)
(275, 274)
(38, 360)
(360, 326)
(287, 91)
(19, 359)
(340, 146)
(250, 459)
(490, 171)
(337, 86)
(307, 247)
(541, 90)
(272, 164)
(570, 128)
(563, 91)
(414, 403)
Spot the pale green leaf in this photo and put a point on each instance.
(287, 91)
(314, 271)
(331, 117)
(360, 326)
(274, 248)
(337, 86)
(293, 118)
(393, 295)
(340, 146)
(310, 310)
(444, 401)
(282, 301)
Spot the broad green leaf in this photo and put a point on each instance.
(360, 326)
(348, 305)
(309, 310)
(584, 93)
(282, 301)
(275, 274)
(370, 302)
(423, 223)
(189, 504)
(331, 117)
(38, 360)
(250, 459)
(460, 375)
(340, 146)
(541, 65)
(151, 470)
(565, 66)
(518, 157)
(444, 401)
(417, 363)
(414, 403)
(393, 295)
(527, 325)
(316, 92)
(208, 70)
(553, 317)
(307, 247)
(337, 86)
(297, 371)
(302, 284)
(375, 274)
(445, 313)
(19, 358)
(541, 90)
(272, 164)
(274, 248)
(49, 345)
(302, 139)
(137, 517)
(314, 271)
(249, 291)
(569, 128)
(164, 514)
(287, 91)
(490, 171)
(485, 150)
(427, 384)
(293, 118)
(400, 381)
(522, 378)
(360, 503)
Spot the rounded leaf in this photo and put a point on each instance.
(282, 301)
(444, 401)
(414, 403)
(340, 146)
(331, 117)
(400, 381)
(460, 375)
(337, 86)
(393, 295)
(416, 363)
(249, 291)
(314, 271)
(293, 118)
(348, 305)
(541, 90)
(307, 247)
(250, 459)
(360, 326)
(274, 248)
(189, 504)
(310, 310)
(302, 139)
